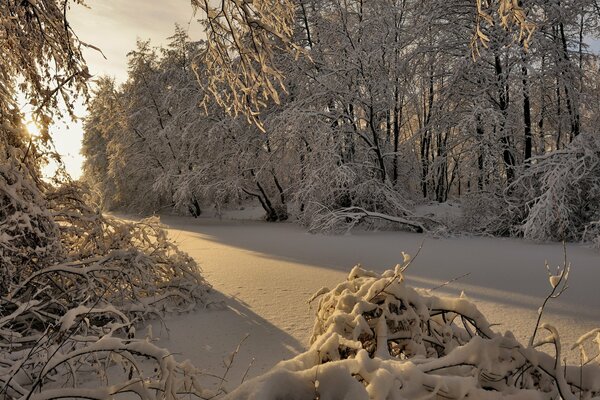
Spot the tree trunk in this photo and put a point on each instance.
(480, 158)
(376, 144)
(542, 134)
(572, 108)
(426, 137)
(503, 99)
(194, 207)
(398, 108)
(526, 110)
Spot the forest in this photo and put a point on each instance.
(446, 119)
(385, 108)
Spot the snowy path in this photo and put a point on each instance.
(264, 273)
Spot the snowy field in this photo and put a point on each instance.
(264, 273)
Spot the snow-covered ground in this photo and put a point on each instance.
(264, 273)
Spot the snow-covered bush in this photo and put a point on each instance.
(555, 196)
(591, 234)
(561, 192)
(376, 338)
(28, 234)
(488, 213)
(365, 203)
(74, 285)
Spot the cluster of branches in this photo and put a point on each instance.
(372, 117)
(42, 55)
(74, 284)
(560, 190)
(376, 338)
(244, 35)
(243, 38)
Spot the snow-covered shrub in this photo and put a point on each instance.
(591, 234)
(337, 198)
(554, 197)
(561, 192)
(28, 234)
(74, 285)
(376, 338)
(488, 212)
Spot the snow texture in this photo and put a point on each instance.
(264, 274)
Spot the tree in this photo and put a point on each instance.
(243, 37)
(371, 122)
(73, 283)
(39, 46)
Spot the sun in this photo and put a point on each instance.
(33, 129)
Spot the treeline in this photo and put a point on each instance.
(389, 108)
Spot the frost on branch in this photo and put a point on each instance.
(42, 55)
(376, 338)
(508, 14)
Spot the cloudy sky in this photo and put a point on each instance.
(114, 26)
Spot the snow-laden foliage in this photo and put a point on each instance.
(245, 36)
(377, 338)
(74, 286)
(41, 63)
(243, 40)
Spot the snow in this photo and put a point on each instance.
(245, 212)
(265, 273)
(447, 213)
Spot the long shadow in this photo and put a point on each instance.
(208, 337)
(510, 271)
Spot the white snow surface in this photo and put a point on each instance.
(264, 273)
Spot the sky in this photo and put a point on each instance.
(114, 26)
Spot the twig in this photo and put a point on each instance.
(230, 362)
(562, 279)
(247, 369)
(399, 273)
(450, 281)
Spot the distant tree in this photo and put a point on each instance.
(103, 121)
(371, 120)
